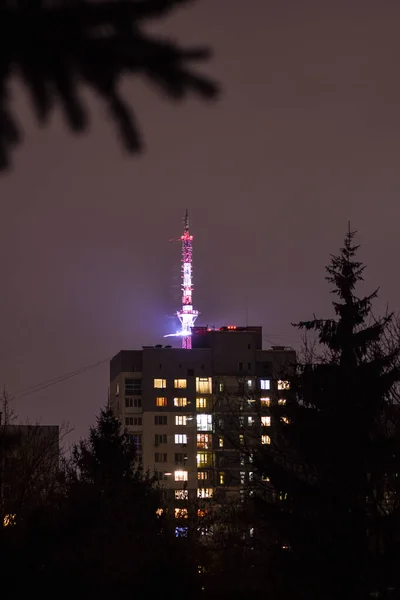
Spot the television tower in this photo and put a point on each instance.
(187, 315)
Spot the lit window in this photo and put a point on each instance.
(266, 421)
(180, 401)
(205, 493)
(159, 512)
(201, 402)
(282, 401)
(181, 475)
(250, 420)
(250, 384)
(181, 420)
(180, 384)
(241, 439)
(160, 383)
(204, 441)
(181, 494)
(251, 475)
(265, 478)
(9, 520)
(266, 401)
(242, 477)
(181, 531)
(221, 386)
(265, 384)
(117, 389)
(204, 422)
(285, 420)
(265, 439)
(181, 513)
(202, 475)
(161, 402)
(283, 385)
(221, 478)
(201, 512)
(203, 385)
(221, 442)
(180, 438)
(203, 459)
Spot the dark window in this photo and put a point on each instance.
(133, 420)
(248, 346)
(133, 387)
(249, 366)
(160, 438)
(160, 420)
(190, 372)
(179, 457)
(133, 402)
(136, 440)
(160, 457)
(240, 366)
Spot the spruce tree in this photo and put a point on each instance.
(59, 48)
(101, 535)
(333, 458)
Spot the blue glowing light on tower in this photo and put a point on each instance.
(187, 315)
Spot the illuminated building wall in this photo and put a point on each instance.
(173, 402)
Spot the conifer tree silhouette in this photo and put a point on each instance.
(57, 47)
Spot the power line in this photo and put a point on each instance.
(46, 384)
(56, 380)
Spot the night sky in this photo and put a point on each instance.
(306, 136)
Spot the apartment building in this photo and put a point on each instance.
(190, 411)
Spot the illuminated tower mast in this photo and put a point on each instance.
(187, 315)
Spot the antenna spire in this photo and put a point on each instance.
(187, 315)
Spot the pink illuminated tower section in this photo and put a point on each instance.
(187, 315)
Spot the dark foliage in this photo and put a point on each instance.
(99, 536)
(334, 464)
(56, 47)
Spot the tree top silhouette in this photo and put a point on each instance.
(57, 47)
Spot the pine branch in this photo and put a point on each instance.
(58, 48)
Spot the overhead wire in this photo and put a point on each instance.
(49, 383)
(64, 377)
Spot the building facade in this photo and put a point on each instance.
(191, 412)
